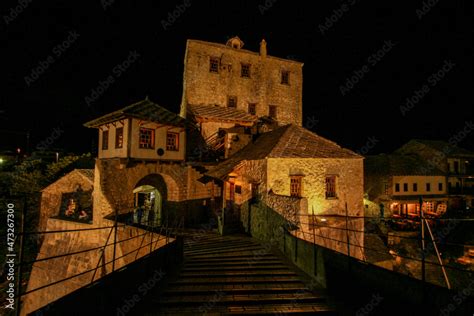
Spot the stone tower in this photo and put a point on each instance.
(252, 82)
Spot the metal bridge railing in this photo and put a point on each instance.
(311, 227)
(162, 233)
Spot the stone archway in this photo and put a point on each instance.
(150, 194)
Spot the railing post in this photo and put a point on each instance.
(422, 240)
(115, 238)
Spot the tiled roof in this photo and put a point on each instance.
(437, 145)
(298, 142)
(144, 110)
(220, 113)
(399, 165)
(289, 141)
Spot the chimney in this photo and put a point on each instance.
(263, 48)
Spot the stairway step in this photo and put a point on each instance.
(239, 280)
(217, 250)
(249, 290)
(222, 298)
(210, 287)
(283, 309)
(241, 255)
(239, 268)
(228, 274)
(249, 261)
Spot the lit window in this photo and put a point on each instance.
(285, 77)
(272, 111)
(295, 186)
(330, 187)
(429, 206)
(428, 187)
(172, 141)
(397, 187)
(214, 65)
(405, 187)
(119, 137)
(105, 140)
(245, 70)
(232, 102)
(440, 186)
(252, 108)
(147, 138)
(415, 187)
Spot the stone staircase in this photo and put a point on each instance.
(234, 275)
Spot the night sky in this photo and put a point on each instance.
(93, 41)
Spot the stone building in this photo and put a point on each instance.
(396, 183)
(456, 163)
(228, 76)
(309, 181)
(143, 164)
(236, 152)
(62, 205)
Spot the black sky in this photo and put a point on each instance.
(106, 37)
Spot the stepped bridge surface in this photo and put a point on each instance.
(204, 273)
(235, 275)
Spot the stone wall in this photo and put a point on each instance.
(349, 182)
(51, 195)
(55, 244)
(264, 88)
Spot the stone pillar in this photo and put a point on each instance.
(263, 48)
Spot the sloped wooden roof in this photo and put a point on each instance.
(220, 113)
(144, 110)
(288, 141)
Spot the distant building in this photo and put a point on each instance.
(456, 163)
(395, 183)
